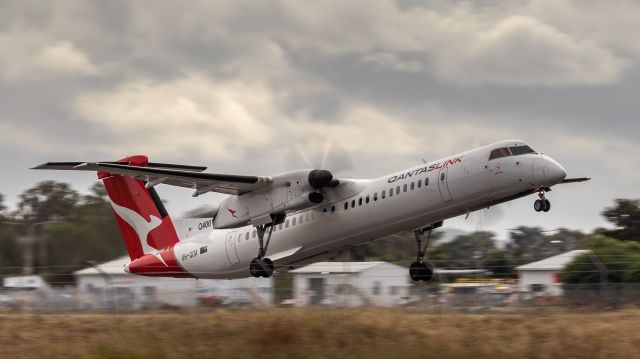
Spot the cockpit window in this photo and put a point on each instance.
(521, 150)
(499, 153)
(511, 151)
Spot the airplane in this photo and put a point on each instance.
(278, 222)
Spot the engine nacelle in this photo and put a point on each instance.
(288, 192)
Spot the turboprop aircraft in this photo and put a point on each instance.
(277, 222)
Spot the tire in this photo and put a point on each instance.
(427, 272)
(538, 205)
(255, 268)
(267, 267)
(420, 271)
(546, 205)
(414, 271)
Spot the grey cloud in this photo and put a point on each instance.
(236, 84)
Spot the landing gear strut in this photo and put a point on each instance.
(542, 204)
(261, 266)
(422, 269)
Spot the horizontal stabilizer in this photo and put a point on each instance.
(79, 166)
(191, 177)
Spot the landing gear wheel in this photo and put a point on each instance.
(546, 205)
(542, 204)
(420, 271)
(261, 267)
(267, 267)
(255, 268)
(538, 205)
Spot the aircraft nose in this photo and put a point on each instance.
(554, 172)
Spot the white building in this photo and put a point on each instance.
(351, 284)
(110, 286)
(543, 277)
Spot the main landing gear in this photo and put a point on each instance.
(422, 269)
(261, 266)
(542, 204)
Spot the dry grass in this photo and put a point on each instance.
(321, 333)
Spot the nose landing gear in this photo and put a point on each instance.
(542, 204)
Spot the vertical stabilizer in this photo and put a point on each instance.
(144, 223)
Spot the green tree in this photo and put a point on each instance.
(466, 251)
(46, 201)
(625, 215)
(10, 249)
(529, 244)
(88, 232)
(618, 258)
(84, 228)
(398, 248)
(499, 264)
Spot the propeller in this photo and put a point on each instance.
(326, 160)
(322, 154)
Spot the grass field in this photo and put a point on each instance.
(321, 333)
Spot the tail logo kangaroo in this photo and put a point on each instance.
(139, 224)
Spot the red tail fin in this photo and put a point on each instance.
(144, 223)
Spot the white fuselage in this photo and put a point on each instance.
(421, 195)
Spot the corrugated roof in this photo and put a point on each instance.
(337, 267)
(553, 263)
(115, 266)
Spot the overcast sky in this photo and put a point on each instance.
(237, 85)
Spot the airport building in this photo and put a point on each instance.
(543, 277)
(350, 284)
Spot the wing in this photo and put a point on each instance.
(574, 180)
(155, 173)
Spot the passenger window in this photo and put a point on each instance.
(286, 224)
(246, 236)
(324, 210)
(293, 223)
(346, 205)
(412, 186)
(499, 153)
(308, 217)
(391, 192)
(367, 199)
(419, 183)
(404, 188)
(333, 208)
(253, 235)
(375, 196)
(426, 181)
(384, 193)
(397, 189)
(353, 203)
(360, 201)
(280, 226)
(300, 220)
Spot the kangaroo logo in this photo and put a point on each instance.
(139, 225)
(233, 212)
